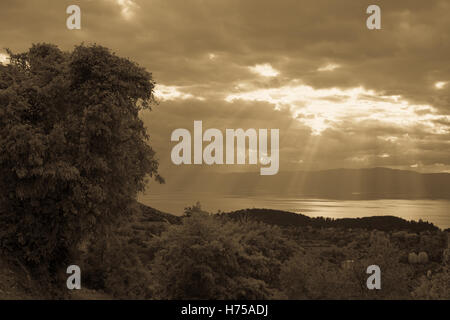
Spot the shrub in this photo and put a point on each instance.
(438, 287)
(309, 276)
(209, 257)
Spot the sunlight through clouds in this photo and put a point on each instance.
(364, 95)
(128, 8)
(323, 108)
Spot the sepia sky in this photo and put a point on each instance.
(341, 95)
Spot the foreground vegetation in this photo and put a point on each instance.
(152, 255)
(204, 256)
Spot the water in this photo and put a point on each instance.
(434, 211)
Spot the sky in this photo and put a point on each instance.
(343, 96)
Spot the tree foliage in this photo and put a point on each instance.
(73, 151)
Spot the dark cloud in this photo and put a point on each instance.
(204, 49)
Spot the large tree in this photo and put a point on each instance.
(73, 150)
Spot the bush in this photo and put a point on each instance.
(306, 276)
(209, 257)
(309, 276)
(438, 287)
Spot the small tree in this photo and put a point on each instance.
(196, 208)
(73, 151)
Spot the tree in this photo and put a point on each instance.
(196, 208)
(73, 150)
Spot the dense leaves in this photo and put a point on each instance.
(73, 151)
(207, 257)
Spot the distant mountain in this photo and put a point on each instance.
(373, 183)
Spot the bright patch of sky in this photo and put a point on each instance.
(265, 70)
(166, 93)
(323, 108)
(329, 67)
(128, 8)
(440, 84)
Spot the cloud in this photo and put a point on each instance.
(341, 94)
(165, 93)
(323, 110)
(265, 70)
(440, 84)
(128, 7)
(329, 67)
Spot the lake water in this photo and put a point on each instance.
(435, 211)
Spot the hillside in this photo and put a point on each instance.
(149, 214)
(285, 218)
